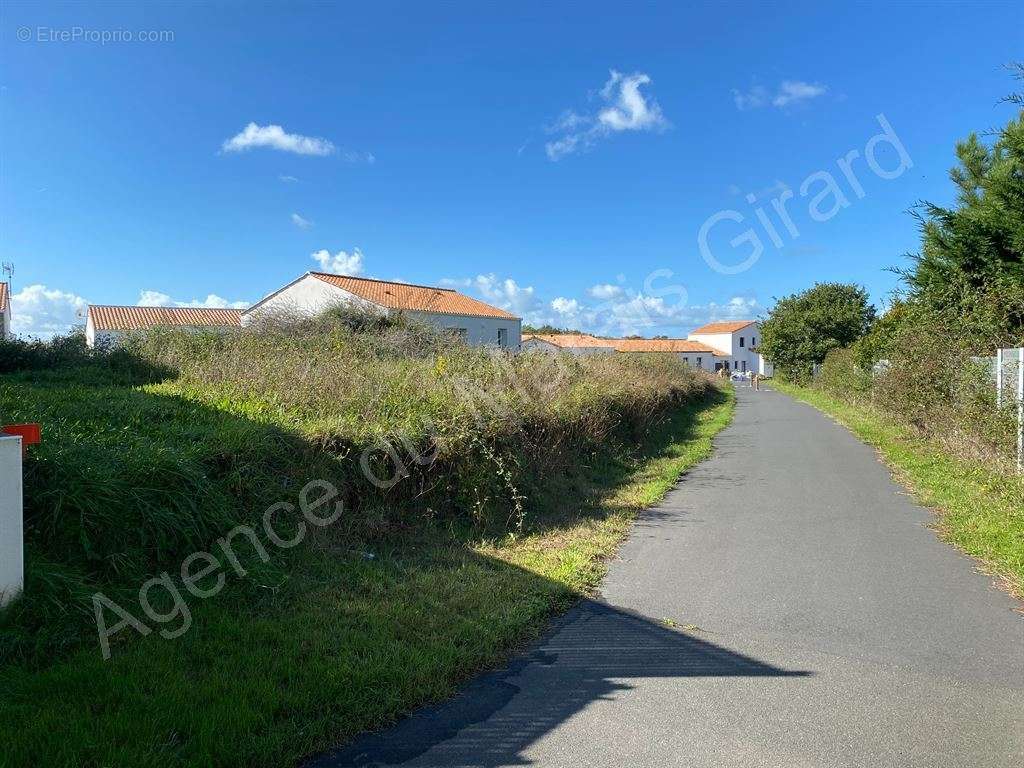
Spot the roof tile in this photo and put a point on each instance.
(420, 298)
(571, 340)
(112, 318)
(726, 327)
(663, 345)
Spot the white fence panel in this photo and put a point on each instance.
(1009, 373)
(12, 541)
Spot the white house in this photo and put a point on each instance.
(472, 320)
(736, 345)
(573, 343)
(5, 312)
(730, 346)
(104, 325)
(690, 352)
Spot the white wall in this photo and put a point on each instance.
(547, 346)
(102, 338)
(703, 360)
(12, 534)
(479, 330)
(720, 341)
(311, 295)
(735, 355)
(308, 295)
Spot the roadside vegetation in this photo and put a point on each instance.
(481, 493)
(918, 381)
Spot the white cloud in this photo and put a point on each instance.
(792, 91)
(564, 306)
(505, 293)
(756, 97)
(774, 189)
(41, 312)
(788, 92)
(625, 109)
(340, 263)
(212, 301)
(275, 137)
(658, 309)
(350, 156)
(300, 222)
(630, 111)
(605, 291)
(287, 179)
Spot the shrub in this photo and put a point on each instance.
(129, 479)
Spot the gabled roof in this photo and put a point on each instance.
(420, 298)
(571, 340)
(663, 345)
(728, 327)
(114, 318)
(4, 296)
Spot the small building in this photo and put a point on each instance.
(106, 324)
(690, 352)
(729, 346)
(472, 320)
(5, 311)
(737, 344)
(573, 343)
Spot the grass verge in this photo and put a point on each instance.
(980, 511)
(350, 640)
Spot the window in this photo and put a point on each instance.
(744, 366)
(459, 333)
(698, 362)
(753, 341)
(502, 337)
(741, 341)
(686, 360)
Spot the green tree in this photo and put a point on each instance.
(970, 269)
(801, 329)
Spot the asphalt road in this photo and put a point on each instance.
(785, 606)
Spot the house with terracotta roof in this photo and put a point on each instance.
(736, 344)
(573, 343)
(474, 321)
(5, 311)
(692, 353)
(728, 346)
(105, 325)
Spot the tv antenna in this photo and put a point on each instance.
(8, 269)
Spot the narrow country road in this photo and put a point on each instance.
(785, 606)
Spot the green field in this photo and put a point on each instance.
(411, 592)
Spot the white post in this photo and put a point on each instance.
(1020, 409)
(12, 544)
(999, 377)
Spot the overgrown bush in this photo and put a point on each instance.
(130, 479)
(924, 375)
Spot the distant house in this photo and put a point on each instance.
(574, 343)
(5, 311)
(690, 352)
(105, 325)
(736, 343)
(472, 320)
(729, 346)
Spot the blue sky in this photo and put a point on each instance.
(556, 160)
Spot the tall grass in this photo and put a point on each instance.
(152, 451)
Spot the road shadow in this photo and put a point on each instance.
(591, 653)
